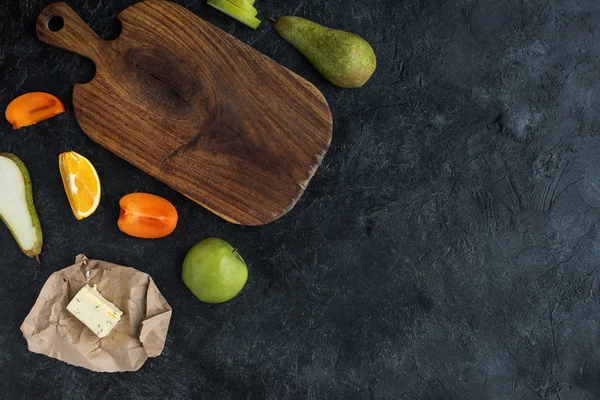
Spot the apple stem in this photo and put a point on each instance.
(37, 259)
(273, 20)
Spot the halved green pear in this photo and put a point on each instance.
(235, 12)
(244, 5)
(16, 205)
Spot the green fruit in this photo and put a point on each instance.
(16, 205)
(345, 59)
(235, 12)
(214, 271)
(244, 5)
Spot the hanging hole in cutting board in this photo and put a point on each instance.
(56, 23)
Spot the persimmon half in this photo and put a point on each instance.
(147, 216)
(31, 108)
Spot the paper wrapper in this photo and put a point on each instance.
(52, 330)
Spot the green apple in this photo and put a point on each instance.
(214, 271)
(235, 12)
(16, 205)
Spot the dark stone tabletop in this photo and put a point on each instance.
(447, 248)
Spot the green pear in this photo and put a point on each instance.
(16, 205)
(345, 59)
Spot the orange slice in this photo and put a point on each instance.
(81, 182)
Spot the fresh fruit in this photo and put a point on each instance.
(147, 216)
(244, 5)
(32, 108)
(214, 271)
(343, 58)
(16, 205)
(81, 183)
(235, 12)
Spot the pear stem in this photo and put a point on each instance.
(37, 259)
(273, 20)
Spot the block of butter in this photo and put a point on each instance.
(97, 313)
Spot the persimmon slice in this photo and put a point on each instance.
(147, 216)
(31, 108)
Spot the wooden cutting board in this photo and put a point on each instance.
(197, 109)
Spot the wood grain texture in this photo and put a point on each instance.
(197, 109)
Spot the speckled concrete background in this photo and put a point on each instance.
(448, 248)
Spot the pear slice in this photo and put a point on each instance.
(16, 205)
(235, 12)
(244, 5)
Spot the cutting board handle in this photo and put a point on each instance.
(60, 26)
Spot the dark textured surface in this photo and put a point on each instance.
(447, 249)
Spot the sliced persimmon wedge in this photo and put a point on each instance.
(147, 216)
(31, 108)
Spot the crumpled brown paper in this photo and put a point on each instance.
(52, 330)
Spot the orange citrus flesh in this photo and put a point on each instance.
(81, 182)
(32, 108)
